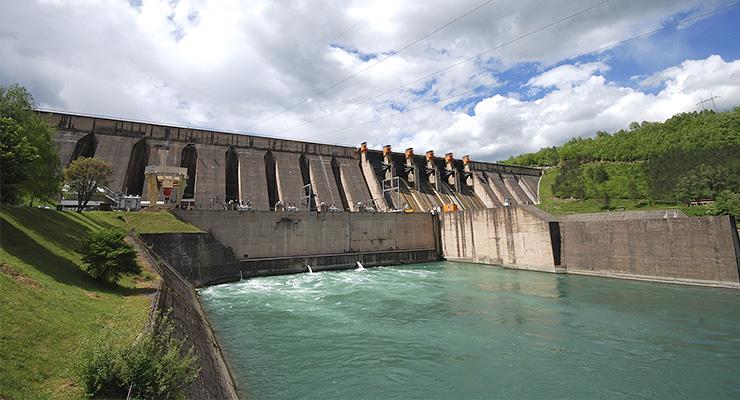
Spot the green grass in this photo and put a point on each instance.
(143, 222)
(49, 306)
(556, 206)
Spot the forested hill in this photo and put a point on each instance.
(684, 132)
(691, 156)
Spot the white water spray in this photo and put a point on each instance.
(310, 271)
(360, 267)
(241, 276)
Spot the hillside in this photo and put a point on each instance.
(50, 307)
(691, 156)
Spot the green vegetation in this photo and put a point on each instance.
(29, 166)
(691, 156)
(50, 306)
(84, 176)
(151, 367)
(142, 221)
(107, 256)
(557, 206)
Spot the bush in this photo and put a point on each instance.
(726, 203)
(107, 256)
(155, 366)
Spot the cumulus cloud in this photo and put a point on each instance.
(567, 75)
(503, 126)
(233, 65)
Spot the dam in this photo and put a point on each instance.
(267, 172)
(330, 207)
(321, 270)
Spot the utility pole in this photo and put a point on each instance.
(701, 103)
(708, 100)
(712, 97)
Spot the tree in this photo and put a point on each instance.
(84, 176)
(16, 155)
(36, 177)
(107, 255)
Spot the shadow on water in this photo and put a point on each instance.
(63, 234)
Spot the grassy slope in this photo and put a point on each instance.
(553, 205)
(49, 306)
(143, 222)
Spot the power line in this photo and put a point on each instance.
(599, 49)
(339, 36)
(708, 100)
(395, 115)
(349, 77)
(192, 126)
(449, 67)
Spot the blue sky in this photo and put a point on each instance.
(641, 57)
(311, 70)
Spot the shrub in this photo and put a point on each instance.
(727, 202)
(154, 366)
(107, 256)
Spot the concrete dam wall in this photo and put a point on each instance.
(667, 247)
(266, 171)
(699, 250)
(258, 243)
(496, 224)
(197, 257)
(515, 237)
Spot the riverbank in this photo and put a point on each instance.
(50, 307)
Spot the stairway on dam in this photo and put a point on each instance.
(271, 173)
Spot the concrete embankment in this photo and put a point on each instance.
(177, 297)
(664, 247)
(259, 243)
(517, 237)
(700, 250)
(197, 257)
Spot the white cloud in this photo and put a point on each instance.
(227, 64)
(503, 126)
(567, 75)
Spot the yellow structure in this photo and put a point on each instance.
(164, 182)
(451, 207)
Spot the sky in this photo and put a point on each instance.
(488, 78)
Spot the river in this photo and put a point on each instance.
(452, 330)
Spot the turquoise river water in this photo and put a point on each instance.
(463, 331)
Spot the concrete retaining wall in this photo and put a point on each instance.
(514, 236)
(178, 299)
(264, 234)
(329, 262)
(197, 257)
(258, 243)
(665, 247)
(685, 250)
